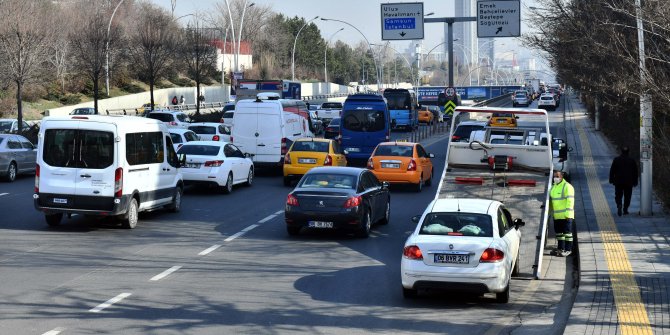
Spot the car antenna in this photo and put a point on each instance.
(458, 203)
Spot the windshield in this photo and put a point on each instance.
(457, 224)
(398, 100)
(464, 131)
(201, 150)
(333, 105)
(161, 117)
(364, 120)
(394, 150)
(5, 126)
(310, 146)
(90, 149)
(207, 130)
(334, 122)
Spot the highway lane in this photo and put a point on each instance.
(58, 279)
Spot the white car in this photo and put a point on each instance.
(171, 118)
(11, 126)
(547, 101)
(211, 131)
(469, 245)
(227, 113)
(180, 136)
(218, 164)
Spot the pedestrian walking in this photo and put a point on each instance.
(182, 101)
(562, 205)
(623, 175)
(174, 100)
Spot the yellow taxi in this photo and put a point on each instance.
(307, 153)
(426, 116)
(402, 163)
(503, 120)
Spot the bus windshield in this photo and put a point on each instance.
(398, 100)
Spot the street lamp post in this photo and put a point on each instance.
(366, 40)
(239, 35)
(325, 59)
(294, 43)
(411, 70)
(109, 27)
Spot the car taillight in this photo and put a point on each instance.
(455, 138)
(412, 252)
(411, 166)
(118, 182)
(330, 129)
(213, 163)
(491, 255)
(291, 200)
(216, 138)
(284, 147)
(287, 158)
(172, 123)
(371, 164)
(37, 179)
(353, 202)
(328, 161)
(231, 139)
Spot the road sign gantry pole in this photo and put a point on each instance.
(449, 36)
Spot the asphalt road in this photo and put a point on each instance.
(223, 265)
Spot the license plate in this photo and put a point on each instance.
(391, 165)
(192, 165)
(307, 160)
(320, 224)
(353, 149)
(60, 201)
(454, 259)
(502, 121)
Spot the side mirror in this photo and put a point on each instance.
(416, 218)
(431, 156)
(182, 160)
(385, 185)
(346, 152)
(248, 155)
(516, 117)
(518, 223)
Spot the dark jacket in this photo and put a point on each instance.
(623, 171)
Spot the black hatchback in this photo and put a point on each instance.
(333, 129)
(342, 198)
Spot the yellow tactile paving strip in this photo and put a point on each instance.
(631, 312)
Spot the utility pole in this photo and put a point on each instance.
(646, 147)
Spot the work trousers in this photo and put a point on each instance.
(563, 230)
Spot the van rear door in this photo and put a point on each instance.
(58, 168)
(245, 133)
(97, 158)
(270, 133)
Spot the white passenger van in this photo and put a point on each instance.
(105, 166)
(267, 126)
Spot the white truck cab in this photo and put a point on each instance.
(105, 166)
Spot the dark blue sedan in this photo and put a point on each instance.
(342, 198)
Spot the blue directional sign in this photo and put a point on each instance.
(402, 21)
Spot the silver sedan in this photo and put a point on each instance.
(17, 155)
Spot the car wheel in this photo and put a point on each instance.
(54, 219)
(387, 213)
(130, 219)
(503, 297)
(250, 177)
(430, 180)
(11, 172)
(409, 293)
(229, 184)
(292, 230)
(418, 187)
(366, 225)
(515, 269)
(287, 181)
(175, 207)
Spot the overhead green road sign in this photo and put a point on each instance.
(500, 18)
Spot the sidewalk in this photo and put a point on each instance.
(624, 262)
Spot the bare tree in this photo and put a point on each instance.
(24, 39)
(152, 46)
(198, 53)
(91, 42)
(59, 52)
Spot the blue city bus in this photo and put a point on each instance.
(365, 122)
(403, 108)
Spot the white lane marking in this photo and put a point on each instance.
(210, 249)
(54, 331)
(238, 234)
(268, 218)
(279, 212)
(165, 273)
(109, 302)
(1, 194)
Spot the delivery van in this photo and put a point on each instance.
(105, 166)
(266, 127)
